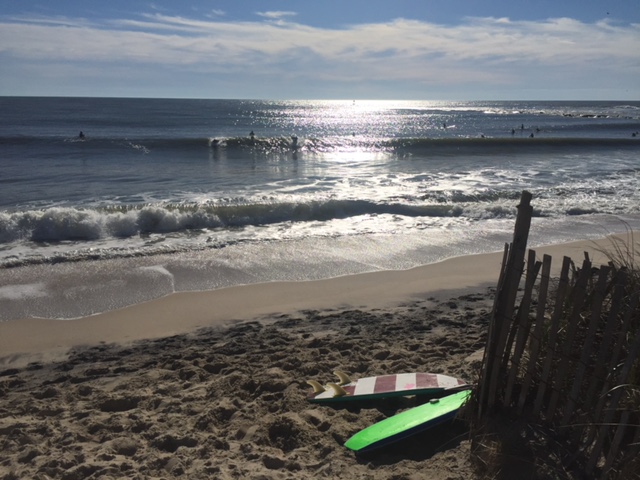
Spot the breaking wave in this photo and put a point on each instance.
(72, 224)
(424, 146)
(59, 224)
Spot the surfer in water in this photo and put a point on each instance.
(294, 142)
(81, 135)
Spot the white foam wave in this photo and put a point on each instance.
(62, 224)
(22, 292)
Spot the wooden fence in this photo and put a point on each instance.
(566, 358)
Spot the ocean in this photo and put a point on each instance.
(160, 195)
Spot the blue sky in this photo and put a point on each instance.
(323, 49)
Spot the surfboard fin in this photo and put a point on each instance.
(317, 388)
(338, 391)
(344, 378)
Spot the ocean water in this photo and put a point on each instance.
(161, 195)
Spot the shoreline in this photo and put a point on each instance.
(136, 393)
(37, 339)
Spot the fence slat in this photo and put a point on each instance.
(596, 311)
(613, 405)
(633, 447)
(536, 336)
(489, 351)
(522, 322)
(553, 334)
(607, 384)
(577, 302)
(601, 378)
(615, 445)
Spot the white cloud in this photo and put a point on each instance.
(276, 15)
(480, 50)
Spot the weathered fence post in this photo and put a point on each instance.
(504, 306)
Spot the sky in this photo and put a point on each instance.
(322, 49)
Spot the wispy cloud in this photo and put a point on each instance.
(479, 50)
(275, 15)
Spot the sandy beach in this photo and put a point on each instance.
(213, 384)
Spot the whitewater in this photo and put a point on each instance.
(163, 195)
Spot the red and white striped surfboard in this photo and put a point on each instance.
(401, 384)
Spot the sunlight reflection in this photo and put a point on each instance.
(363, 118)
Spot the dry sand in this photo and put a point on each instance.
(212, 384)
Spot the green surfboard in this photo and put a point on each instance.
(407, 423)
